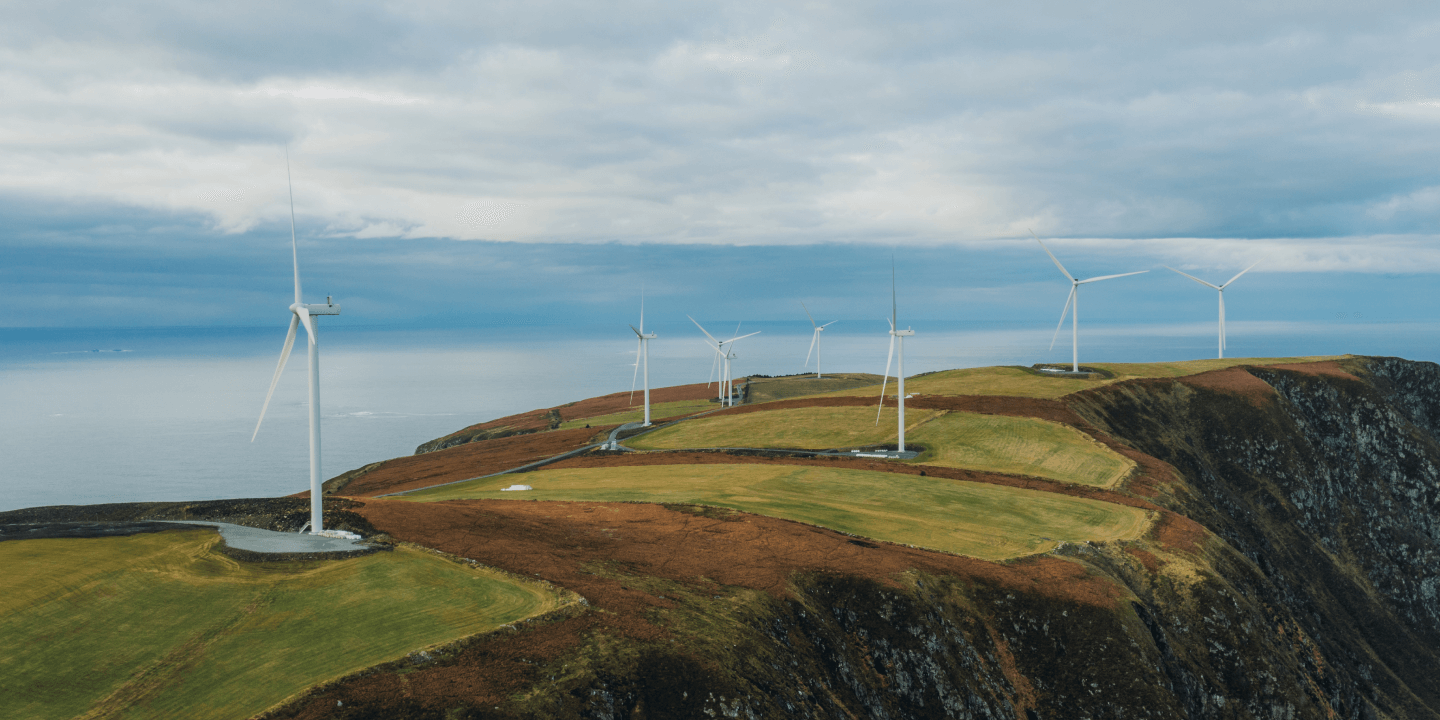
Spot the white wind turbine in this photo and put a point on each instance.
(723, 356)
(815, 341)
(1074, 299)
(895, 332)
(302, 314)
(1221, 290)
(642, 350)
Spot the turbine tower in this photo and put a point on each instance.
(815, 340)
(1074, 299)
(895, 332)
(1220, 289)
(642, 350)
(723, 356)
(307, 315)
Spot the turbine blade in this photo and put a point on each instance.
(1237, 275)
(886, 381)
(714, 361)
(832, 322)
(807, 312)
(814, 338)
(894, 312)
(284, 356)
(642, 310)
(294, 252)
(1065, 272)
(306, 320)
(1111, 277)
(1063, 313)
(636, 375)
(637, 332)
(1192, 277)
(702, 329)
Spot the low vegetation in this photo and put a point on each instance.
(658, 411)
(816, 428)
(768, 389)
(1023, 382)
(1126, 371)
(991, 522)
(162, 626)
(1019, 446)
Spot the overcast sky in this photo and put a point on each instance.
(457, 161)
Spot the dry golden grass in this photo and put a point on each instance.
(817, 428)
(1020, 446)
(991, 522)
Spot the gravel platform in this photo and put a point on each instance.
(268, 541)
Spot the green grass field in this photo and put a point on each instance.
(771, 389)
(798, 428)
(1193, 367)
(1019, 446)
(1016, 382)
(991, 522)
(162, 626)
(658, 411)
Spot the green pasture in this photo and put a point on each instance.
(815, 428)
(1019, 382)
(161, 626)
(1019, 446)
(658, 411)
(991, 522)
(1193, 367)
(767, 389)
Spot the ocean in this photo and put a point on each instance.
(120, 415)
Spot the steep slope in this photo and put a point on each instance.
(1292, 575)
(1324, 478)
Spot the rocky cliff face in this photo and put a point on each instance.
(1326, 487)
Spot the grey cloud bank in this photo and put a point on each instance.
(931, 124)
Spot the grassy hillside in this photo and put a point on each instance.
(658, 411)
(800, 428)
(161, 626)
(1019, 446)
(768, 389)
(991, 522)
(1021, 382)
(1192, 367)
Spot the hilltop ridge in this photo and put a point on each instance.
(1248, 538)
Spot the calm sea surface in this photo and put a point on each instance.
(91, 416)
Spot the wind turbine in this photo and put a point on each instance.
(723, 356)
(307, 315)
(1221, 290)
(642, 349)
(895, 332)
(815, 341)
(1074, 299)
